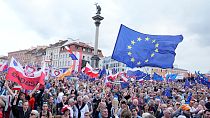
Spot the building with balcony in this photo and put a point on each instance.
(82, 51)
(53, 53)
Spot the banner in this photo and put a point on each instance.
(16, 74)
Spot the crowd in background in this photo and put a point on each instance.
(82, 98)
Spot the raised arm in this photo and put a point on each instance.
(33, 91)
(10, 91)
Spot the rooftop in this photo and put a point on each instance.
(59, 43)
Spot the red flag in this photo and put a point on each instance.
(16, 74)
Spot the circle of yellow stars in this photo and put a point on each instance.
(139, 39)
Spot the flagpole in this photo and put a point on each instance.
(197, 92)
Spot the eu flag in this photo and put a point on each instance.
(157, 77)
(136, 49)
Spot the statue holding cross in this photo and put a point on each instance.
(98, 8)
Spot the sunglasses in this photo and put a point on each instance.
(123, 102)
(32, 114)
(44, 102)
(133, 110)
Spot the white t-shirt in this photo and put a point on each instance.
(60, 97)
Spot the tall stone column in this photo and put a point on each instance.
(97, 18)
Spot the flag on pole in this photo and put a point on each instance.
(157, 77)
(136, 49)
(73, 57)
(67, 73)
(3, 66)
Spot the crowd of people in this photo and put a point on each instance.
(81, 98)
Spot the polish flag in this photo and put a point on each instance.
(123, 76)
(93, 74)
(4, 66)
(87, 68)
(16, 74)
(90, 71)
(113, 77)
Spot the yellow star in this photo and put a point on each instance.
(129, 47)
(156, 45)
(156, 50)
(132, 59)
(129, 53)
(139, 63)
(139, 39)
(147, 39)
(146, 60)
(133, 42)
(153, 54)
(153, 41)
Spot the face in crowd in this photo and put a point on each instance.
(25, 106)
(104, 113)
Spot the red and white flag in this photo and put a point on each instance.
(123, 76)
(90, 71)
(3, 66)
(16, 74)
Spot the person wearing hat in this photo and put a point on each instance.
(185, 111)
(66, 112)
(34, 114)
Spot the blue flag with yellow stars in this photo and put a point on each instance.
(136, 49)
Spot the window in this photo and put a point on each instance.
(66, 63)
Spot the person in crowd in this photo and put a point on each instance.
(206, 113)
(134, 111)
(126, 113)
(34, 114)
(61, 104)
(104, 113)
(123, 105)
(66, 112)
(160, 109)
(167, 113)
(87, 115)
(88, 102)
(52, 106)
(96, 101)
(80, 108)
(21, 112)
(147, 115)
(45, 113)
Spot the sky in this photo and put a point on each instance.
(28, 23)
